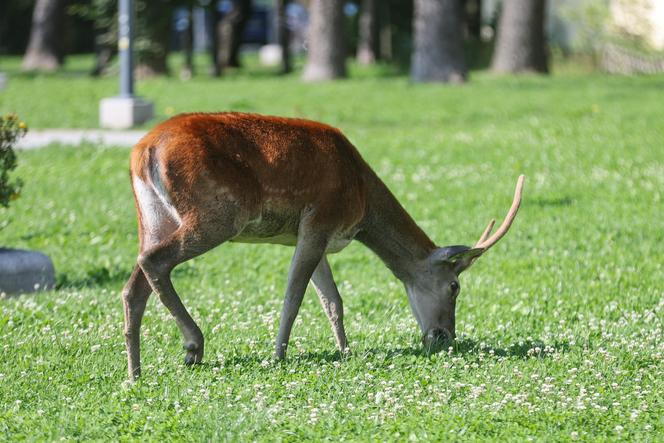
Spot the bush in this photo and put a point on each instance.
(11, 129)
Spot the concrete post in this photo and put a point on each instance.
(125, 110)
(126, 47)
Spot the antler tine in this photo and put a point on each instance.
(486, 232)
(485, 243)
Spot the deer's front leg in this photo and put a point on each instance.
(331, 300)
(308, 253)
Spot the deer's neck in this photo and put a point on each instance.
(390, 232)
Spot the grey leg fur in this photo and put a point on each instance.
(157, 269)
(157, 264)
(308, 253)
(331, 300)
(134, 298)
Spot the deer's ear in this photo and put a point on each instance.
(460, 257)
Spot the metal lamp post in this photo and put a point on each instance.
(126, 47)
(125, 110)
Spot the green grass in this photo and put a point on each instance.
(560, 325)
(71, 98)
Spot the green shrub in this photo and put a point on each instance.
(11, 129)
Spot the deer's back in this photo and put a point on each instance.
(273, 167)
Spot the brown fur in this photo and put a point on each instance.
(281, 162)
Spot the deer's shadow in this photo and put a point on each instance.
(466, 348)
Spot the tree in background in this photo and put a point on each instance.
(367, 45)
(229, 34)
(438, 46)
(46, 46)
(153, 26)
(473, 14)
(186, 38)
(153, 21)
(521, 41)
(15, 14)
(326, 58)
(103, 15)
(283, 35)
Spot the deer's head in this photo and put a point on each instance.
(433, 291)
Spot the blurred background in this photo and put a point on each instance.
(429, 40)
(46, 44)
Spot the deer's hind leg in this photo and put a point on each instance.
(194, 234)
(134, 298)
(191, 239)
(155, 224)
(331, 300)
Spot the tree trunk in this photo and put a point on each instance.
(283, 36)
(438, 54)
(326, 58)
(152, 37)
(187, 42)
(213, 21)
(521, 42)
(367, 45)
(103, 57)
(105, 26)
(385, 32)
(230, 32)
(473, 11)
(45, 50)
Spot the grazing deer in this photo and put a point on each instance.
(202, 179)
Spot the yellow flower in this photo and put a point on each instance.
(22, 125)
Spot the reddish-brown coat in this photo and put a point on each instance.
(261, 160)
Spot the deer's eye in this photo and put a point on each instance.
(454, 286)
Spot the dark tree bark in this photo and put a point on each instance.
(105, 25)
(230, 32)
(385, 30)
(326, 58)
(187, 41)
(45, 50)
(438, 54)
(214, 18)
(521, 42)
(367, 45)
(153, 30)
(283, 36)
(103, 56)
(473, 17)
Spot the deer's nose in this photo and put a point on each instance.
(435, 336)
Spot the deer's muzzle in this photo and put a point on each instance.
(437, 337)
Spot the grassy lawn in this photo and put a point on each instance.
(561, 325)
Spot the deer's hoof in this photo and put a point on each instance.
(194, 354)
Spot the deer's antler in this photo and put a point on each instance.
(485, 242)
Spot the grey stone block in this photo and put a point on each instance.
(124, 112)
(25, 271)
